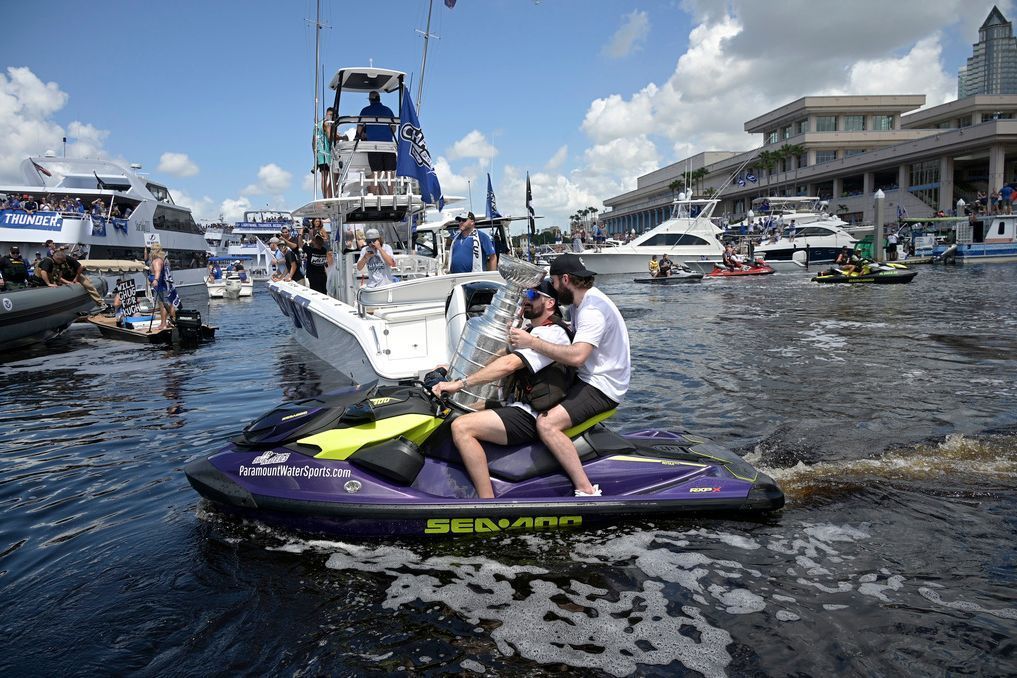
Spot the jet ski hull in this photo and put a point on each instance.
(897, 277)
(318, 483)
(725, 273)
(674, 279)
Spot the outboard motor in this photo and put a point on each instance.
(486, 337)
(189, 327)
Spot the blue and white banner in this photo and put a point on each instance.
(99, 224)
(492, 204)
(751, 177)
(42, 221)
(413, 158)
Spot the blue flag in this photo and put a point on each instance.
(492, 204)
(413, 158)
(741, 181)
(751, 177)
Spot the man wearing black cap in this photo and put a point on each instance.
(515, 423)
(382, 163)
(471, 250)
(600, 352)
(14, 269)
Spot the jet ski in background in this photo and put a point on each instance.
(758, 267)
(371, 461)
(888, 273)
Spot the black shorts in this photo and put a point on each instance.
(520, 426)
(323, 167)
(381, 162)
(584, 401)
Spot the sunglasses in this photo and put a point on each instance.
(533, 294)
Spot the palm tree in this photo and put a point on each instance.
(675, 186)
(795, 151)
(767, 160)
(697, 176)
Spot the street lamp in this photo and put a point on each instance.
(877, 237)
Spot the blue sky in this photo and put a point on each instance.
(583, 95)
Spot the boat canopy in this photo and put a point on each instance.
(365, 79)
(114, 265)
(235, 257)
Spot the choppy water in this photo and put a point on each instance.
(888, 414)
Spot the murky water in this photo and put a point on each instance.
(888, 414)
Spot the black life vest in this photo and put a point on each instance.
(15, 269)
(547, 387)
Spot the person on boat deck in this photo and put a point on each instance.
(654, 267)
(319, 258)
(472, 251)
(214, 272)
(382, 163)
(377, 257)
(665, 266)
(164, 293)
(322, 147)
(291, 265)
(14, 269)
(599, 351)
(291, 241)
(516, 422)
(241, 273)
(61, 269)
(278, 260)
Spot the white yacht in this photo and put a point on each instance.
(401, 330)
(688, 236)
(134, 210)
(817, 238)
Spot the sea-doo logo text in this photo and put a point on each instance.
(294, 415)
(478, 525)
(271, 457)
(378, 402)
(704, 489)
(418, 147)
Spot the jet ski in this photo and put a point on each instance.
(758, 267)
(870, 272)
(377, 461)
(676, 277)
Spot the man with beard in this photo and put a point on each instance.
(600, 352)
(516, 422)
(319, 258)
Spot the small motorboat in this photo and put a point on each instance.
(125, 320)
(36, 314)
(233, 283)
(380, 461)
(677, 276)
(870, 272)
(758, 267)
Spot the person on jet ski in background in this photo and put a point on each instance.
(846, 261)
(516, 422)
(729, 258)
(599, 351)
(665, 266)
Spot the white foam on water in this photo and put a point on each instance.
(785, 616)
(833, 608)
(966, 606)
(471, 665)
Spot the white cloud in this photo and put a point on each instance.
(272, 180)
(473, 145)
(25, 106)
(630, 36)
(203, 208)
(233, 209)
(177, 164)
(558, 159)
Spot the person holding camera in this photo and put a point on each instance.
(378, 258)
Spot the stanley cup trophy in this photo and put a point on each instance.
(486, 337)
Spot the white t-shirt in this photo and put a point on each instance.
(598, 322)
(378, 272)
(538, 361)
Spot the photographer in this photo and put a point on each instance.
(377, 257)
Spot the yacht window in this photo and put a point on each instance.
(999, 229)
(161, 193)
(169, 219)
(671, 239)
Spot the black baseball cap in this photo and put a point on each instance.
(547, 289)
(571, 264)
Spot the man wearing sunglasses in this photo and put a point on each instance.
(515, 423)
(599, 351)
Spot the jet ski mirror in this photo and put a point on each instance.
(359, 413)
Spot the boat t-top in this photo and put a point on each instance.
(101, 210)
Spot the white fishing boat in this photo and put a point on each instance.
(688, 237)
(395, 331)
(231, 284)
(101, 210)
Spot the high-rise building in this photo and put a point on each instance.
(992, 67)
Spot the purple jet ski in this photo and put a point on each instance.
(367, 461)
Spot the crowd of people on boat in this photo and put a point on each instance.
(69, 205)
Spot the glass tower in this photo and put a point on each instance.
(992, 67)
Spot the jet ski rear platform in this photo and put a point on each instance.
(366, 463)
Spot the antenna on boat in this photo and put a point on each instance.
(423, 64)
(317, 103)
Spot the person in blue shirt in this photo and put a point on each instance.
(383, 163)
(472, 250)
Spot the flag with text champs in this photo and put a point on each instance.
(413, 158)
(529, 206)
(492, 204)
